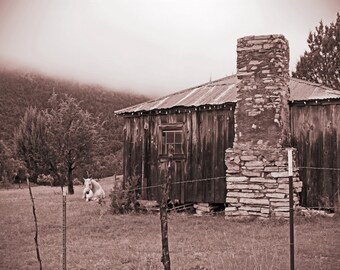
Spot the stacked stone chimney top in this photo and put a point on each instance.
(262, 37)
(262, 91)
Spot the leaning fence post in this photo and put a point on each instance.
(64, 229)
(163, 211)
(291, 207)
(36, 225)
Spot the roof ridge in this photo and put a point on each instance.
(191, 88)
(203, 84)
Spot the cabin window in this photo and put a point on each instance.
(172, 139)
(171, 136)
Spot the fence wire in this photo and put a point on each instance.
(135, 189)
(320, 168)
(210, 179)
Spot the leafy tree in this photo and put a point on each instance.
(58, 139)
(73, 136)
(322, 63)
(31, 142)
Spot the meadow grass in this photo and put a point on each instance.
(96, 239)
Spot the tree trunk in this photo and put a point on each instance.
(69, 181)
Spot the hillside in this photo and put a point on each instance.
(19, 90)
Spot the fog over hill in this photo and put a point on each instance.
(18, 90)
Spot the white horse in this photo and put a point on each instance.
(92, 190)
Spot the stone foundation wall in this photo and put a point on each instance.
(258, 183)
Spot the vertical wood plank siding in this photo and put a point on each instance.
(316, 135)
(206, 135)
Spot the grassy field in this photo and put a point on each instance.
(97, 239)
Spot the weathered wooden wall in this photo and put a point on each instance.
(316, 135)
(207, 133)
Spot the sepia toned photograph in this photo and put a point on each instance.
(170, 134)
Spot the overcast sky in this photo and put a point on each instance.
(153, 47)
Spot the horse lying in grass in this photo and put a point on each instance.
(92, 190)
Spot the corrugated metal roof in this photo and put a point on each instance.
(224, 91)
(212, 93)
(301, 90)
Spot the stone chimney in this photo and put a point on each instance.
(262, 91)
(257, 174)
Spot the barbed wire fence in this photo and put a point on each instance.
(187, 206)
(202, 180)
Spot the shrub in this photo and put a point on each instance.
(21, 174)
(8, 164)
(77, 182)
(45, 180)
(124, 199)
(105, 166)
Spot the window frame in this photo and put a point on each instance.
(171, 128)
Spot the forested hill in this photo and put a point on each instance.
(19, 90)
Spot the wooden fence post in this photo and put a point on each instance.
(166, 179)
(35, 223)
(64, 230)
(291, 207)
